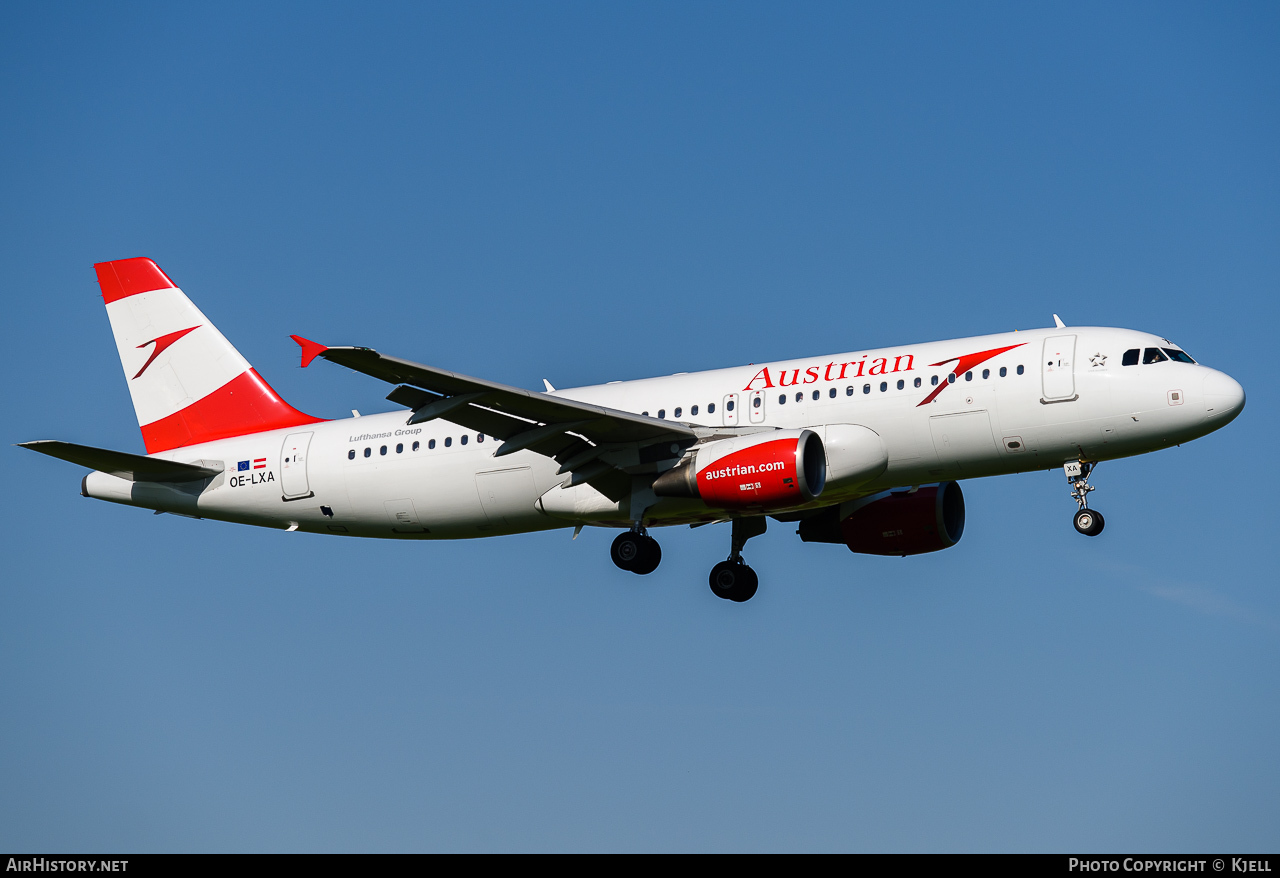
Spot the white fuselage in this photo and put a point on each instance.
(1057, 395)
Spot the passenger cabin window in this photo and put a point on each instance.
(968, 376)
(368, 451)
(1003, 371)
(848, 391)
(382, 450)
(693, 412)
(934, 381)
(479, 437)
(448, 440)
(1178, 356)
(884, 385)
(431, 443)
(866, 388)
(1152, 355)
(817, 394)
(832, 393)
(463, 439)
(986, 373)
(678, 411)
(901, 384)
(351, 455)
(416, 446)
(917, 382)
(782, 399)
(951, 379)
(1020, 370)
(1130, 357)
(662, 414)
(399, 448)
(800, 396)
(711, 408)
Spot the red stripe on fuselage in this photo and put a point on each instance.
(128, 277)
(245, 404)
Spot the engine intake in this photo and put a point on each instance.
(771, 470)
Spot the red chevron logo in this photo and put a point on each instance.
(964, 364)
(161, 344)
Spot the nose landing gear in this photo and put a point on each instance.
(1087, 521)
(732, 579)
(636, 551)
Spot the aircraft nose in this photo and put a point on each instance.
(1223, 397)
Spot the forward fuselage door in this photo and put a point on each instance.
(1057, 367)
(756, 412)
(293, 466)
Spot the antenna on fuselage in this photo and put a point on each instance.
(1057, 321)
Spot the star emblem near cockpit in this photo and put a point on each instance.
(1098, 359)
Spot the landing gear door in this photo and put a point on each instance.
(729, 410)
(1057, 368)
(293, 466)
(756, 411)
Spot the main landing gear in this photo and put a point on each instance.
(636, 551)
(732, 579)
(1087, 521)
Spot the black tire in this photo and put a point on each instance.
(627, 550)
(1089, 522)
(650, 556)
(747, 585)
(733, 581)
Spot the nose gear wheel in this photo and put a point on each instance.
(1087, 521)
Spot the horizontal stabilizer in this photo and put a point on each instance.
(134, 467)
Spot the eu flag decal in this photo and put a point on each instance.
(242, 465)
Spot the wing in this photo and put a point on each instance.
(586, 439)
(134, 467)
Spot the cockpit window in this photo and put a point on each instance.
(1130, 357)
(1178, 356)
(1152, 355)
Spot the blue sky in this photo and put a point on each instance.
(589, 192)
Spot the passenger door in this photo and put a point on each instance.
(293, 466)
(756, 401)
(1057, 369)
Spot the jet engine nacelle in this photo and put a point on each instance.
(893, 523)
(855, 455)
(773, 470)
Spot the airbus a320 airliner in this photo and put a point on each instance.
(864, 448)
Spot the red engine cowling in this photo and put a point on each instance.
(895, 523)
(771, 470)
